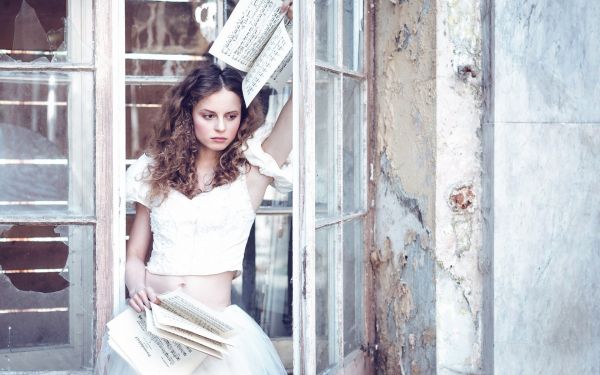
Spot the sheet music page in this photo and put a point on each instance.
(117, 349)
(163, 317)
(246, 32)
(271, 58)
(166, 332)
(282, 74)
(285, 70)
(148, 353)
(188, 308)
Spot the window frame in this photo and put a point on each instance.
(79, 43)
(108, 67)
(109, 37)
(110, 143)
(305, 221)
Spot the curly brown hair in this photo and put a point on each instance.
(174, 147)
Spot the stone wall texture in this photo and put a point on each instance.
(546, 205)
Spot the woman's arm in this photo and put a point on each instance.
(278, 144)
(135, 271)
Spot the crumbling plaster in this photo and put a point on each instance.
(458, 225)
(428, 220)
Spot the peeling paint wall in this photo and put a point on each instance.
(404, 284)
(427, 267)
(403, 262)
(501, 95)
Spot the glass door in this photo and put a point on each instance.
(330, 202)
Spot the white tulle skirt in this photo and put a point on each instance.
(252, 353)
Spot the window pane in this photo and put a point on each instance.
(264, 289)
(46, 143)
(325, 297)
(353, 284)
(326, 11)
(142, 111)
(164, 38)
(353, 34)
(327, 182)
(354, 174)
(42, 31)
(46, 284)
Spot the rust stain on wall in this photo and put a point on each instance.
(462, 198)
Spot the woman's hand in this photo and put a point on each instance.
(142, 296)
(288, 9)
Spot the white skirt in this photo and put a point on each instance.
(253, 353)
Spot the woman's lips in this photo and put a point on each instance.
(219, 139)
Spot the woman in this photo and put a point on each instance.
(196, 196)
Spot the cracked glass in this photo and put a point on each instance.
(45, 31)
(46, 295)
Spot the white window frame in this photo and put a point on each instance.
(305, 222)
(79, 41)
(110, 143)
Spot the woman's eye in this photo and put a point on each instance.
(232, 117)
(208, 117)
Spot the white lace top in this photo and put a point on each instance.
(206, 234)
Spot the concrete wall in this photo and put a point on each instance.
(546, 138)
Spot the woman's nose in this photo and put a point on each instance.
(220, 125)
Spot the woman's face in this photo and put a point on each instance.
(217, 119)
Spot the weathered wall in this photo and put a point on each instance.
(428, 216)
(546, 217)
(403, 264)
(501, 94)
(458, 224)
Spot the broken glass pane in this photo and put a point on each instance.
(43, 31)
(41, 283)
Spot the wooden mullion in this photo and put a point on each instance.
(368, 230)
(304, 189)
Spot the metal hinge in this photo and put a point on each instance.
(369, 348)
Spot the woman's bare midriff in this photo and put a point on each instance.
(212, 290)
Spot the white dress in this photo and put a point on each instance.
(207, 235)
